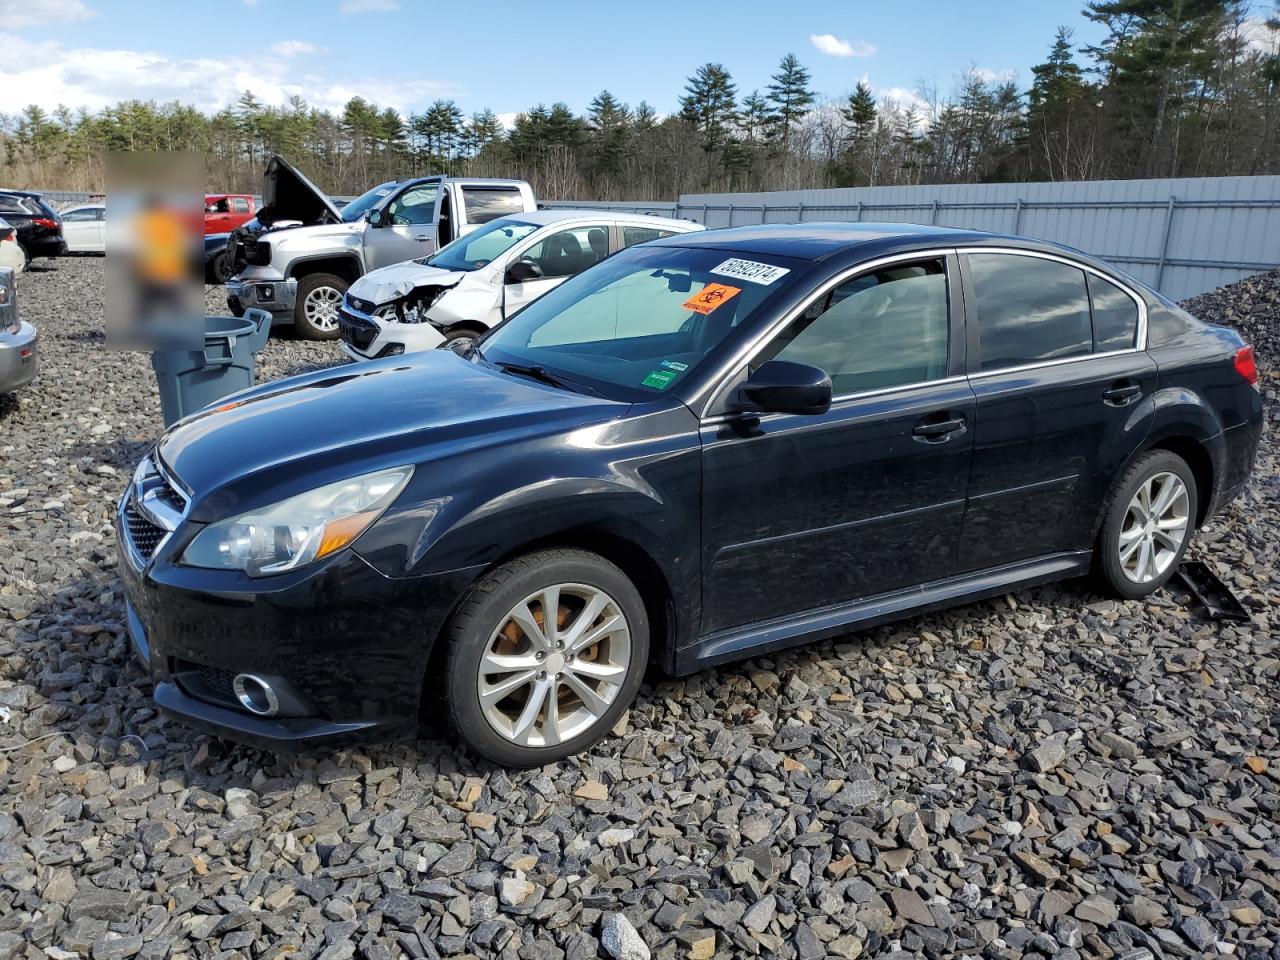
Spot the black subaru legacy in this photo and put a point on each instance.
(701, 449)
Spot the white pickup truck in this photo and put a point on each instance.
(299, 255)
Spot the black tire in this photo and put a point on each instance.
(316, 283)
(1110, 568)
(221, 269)
(484, 610)
(26, 255)
(456, 338)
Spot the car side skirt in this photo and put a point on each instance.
(760, 638)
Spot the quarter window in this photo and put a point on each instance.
(1115, 316)
(1029, 310)
(488, 203)
(882, 329)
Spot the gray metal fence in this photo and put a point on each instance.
(1182, 236)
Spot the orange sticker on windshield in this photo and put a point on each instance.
(710, 297)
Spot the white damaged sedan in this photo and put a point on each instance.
(484, 277)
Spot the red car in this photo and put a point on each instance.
(223, 212)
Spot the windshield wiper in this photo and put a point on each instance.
(541, 374)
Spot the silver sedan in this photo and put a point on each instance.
(19, 343)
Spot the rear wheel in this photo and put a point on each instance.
(1149, 521)
(315, 312)
(544, 655)
(26, 254)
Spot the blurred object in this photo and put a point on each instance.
(84, 227)
(192, 379)
(38, 226)
(155, 267)
(18, 340)
(11, 254)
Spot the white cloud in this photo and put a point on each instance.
(368, 6)
(294, 48)
(48, 74)
(987, 75)
(507, 119)
(15, 14)
(1258, 36)
(833, 46)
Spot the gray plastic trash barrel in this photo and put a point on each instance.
(191, 379)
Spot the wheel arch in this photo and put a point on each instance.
(1197, 457)
(624, 553)
(345, 266)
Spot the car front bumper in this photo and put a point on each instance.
(345, 645)
(19, 356)
(367, 337)
(277, 297)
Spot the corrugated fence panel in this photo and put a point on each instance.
(1183, 236)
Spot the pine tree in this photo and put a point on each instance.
(860, 112)
(789, 98)
(753, 121)
(709, 104)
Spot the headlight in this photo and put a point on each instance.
(387, 314)
(299, 530)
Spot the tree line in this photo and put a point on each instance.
(1174, 88)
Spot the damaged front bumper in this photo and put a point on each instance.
(366, 336)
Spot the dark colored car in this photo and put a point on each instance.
(38, 225)
(701, 449)
(217, 259)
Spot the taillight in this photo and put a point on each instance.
(1247, 364)
(45, 222)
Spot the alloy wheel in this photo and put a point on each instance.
(321, 307)
(554, 665)
(1154, 528)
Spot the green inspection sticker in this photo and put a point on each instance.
(658, 378)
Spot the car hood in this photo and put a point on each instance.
(388, 284)
(288, 195)
(277, 440)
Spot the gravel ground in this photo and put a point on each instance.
(1048, 774)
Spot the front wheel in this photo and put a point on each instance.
(221, 269)
(315, 312)
(459, 340)
(544, 654)
(1149, 521)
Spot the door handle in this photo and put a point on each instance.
(1120, 394)
(938, 430)
(421, 239)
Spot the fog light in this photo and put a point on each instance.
(255, 695)
(266, 292)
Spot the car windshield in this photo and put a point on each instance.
(479, 247)
(636, 325)
(362, 204)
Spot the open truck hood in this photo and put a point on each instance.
(288, 195)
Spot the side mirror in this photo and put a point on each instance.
(780, 386)
(522, 271)
(378, 217)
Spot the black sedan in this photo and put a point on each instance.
(701, 449)
(38, 225)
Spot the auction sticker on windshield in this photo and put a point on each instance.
(751, 271)
(710, 297)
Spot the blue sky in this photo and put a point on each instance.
(503, 55)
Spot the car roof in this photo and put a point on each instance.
(21, 193)
(817, 241)
(561, 214)
(84, 206)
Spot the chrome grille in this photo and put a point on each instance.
(143, 534)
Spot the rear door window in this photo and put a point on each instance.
(633, 235)
(1029, 310)
(1115, 316)
(488, 203)
(239, 205)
